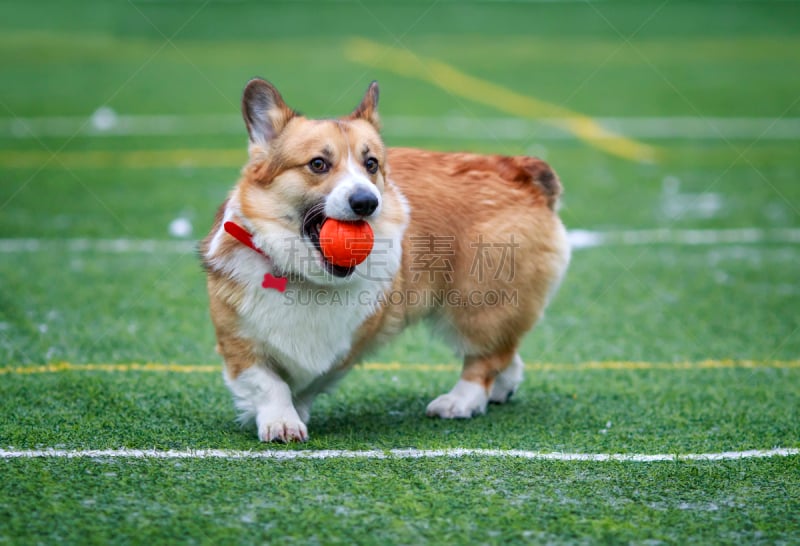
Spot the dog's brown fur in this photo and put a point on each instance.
(452, 206)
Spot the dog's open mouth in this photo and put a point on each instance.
(312, 225)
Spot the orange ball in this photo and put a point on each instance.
(346, 244)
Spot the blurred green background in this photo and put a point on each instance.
(118, 119)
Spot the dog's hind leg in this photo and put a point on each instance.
(507, 381)
(472, 392)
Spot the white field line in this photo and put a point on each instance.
(110, 246)
(579, 239)
(107, 123)
(392, 454)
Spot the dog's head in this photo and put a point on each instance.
(302, 171)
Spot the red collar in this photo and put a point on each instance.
(243, 236)
(246, 238)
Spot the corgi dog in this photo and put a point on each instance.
(471, 243)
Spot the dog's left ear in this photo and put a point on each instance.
(264, 111)
(368, 109)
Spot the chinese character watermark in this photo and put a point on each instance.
(496, 257)
(432, 254)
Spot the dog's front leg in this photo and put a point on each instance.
(262, 394)
(324, 383)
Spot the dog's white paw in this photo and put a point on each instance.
(283, 431)
(466, 400)
(507, 382)
(281, 424)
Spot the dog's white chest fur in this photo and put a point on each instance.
(308, 329)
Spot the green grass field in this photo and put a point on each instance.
(679, 334)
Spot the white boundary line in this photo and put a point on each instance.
(111, 246)
(107, 123)
(392, 454)
(579, 239)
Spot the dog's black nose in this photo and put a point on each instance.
(363, 202)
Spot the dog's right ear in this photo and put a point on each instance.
(264, 111)
(368, 109)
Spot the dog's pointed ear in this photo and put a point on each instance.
(264, 111)
(368, 109)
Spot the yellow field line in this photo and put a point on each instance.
(399, 366)
(132, 367)
(602, 365)
(403, 62)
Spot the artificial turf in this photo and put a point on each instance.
(662, 303)
(464, 501)
(562, 409)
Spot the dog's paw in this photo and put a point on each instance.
(501, 394)
(507, 382)
(466, 400)
(283, 431)
(448, 406)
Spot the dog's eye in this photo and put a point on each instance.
(318, 165)
(371, 164)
